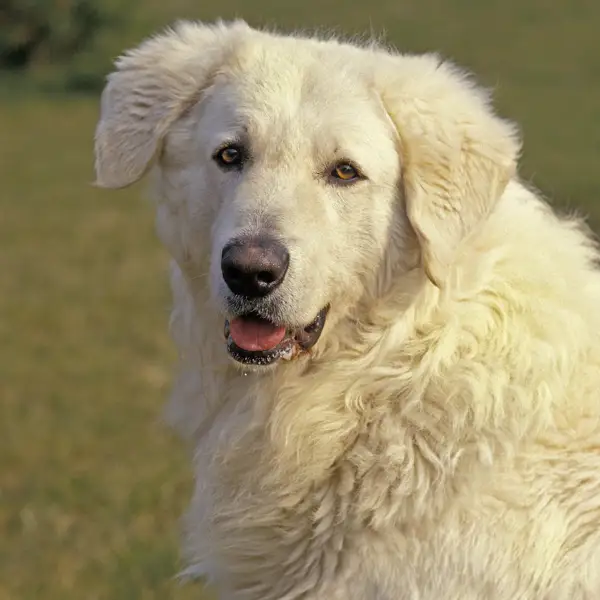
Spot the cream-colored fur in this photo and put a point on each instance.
(442, 439)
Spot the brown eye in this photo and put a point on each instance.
(344, 172)
(229, 156)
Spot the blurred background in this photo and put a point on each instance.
(91, 483)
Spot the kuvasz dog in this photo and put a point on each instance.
(389, 346)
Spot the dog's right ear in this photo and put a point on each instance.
(151, 87)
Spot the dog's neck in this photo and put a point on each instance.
(311, 412)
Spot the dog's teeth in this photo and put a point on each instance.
(287, 354)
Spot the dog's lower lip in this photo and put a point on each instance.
(309, 335)
(295, 342)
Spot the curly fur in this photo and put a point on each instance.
(442, 440)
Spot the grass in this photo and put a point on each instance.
(91, 483)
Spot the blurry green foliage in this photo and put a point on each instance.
(34, 32)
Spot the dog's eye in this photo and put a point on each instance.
(229, 157)
(345, 172)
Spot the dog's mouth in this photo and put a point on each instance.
(254, 340)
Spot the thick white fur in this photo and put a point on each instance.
(442, 440)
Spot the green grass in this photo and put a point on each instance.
(91, 483)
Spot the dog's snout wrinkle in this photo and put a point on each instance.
(255, 266)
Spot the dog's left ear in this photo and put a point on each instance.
(457, 155)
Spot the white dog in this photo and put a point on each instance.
(390, 347)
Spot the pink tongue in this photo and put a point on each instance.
(255, 335)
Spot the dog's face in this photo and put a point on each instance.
(296, 173)
(301, 167)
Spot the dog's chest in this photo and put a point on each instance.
(259, 532)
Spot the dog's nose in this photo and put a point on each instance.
(254, 267)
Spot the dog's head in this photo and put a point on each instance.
(297, 176)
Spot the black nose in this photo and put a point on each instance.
(254, 266)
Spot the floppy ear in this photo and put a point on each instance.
(151, 87)
(458, 156)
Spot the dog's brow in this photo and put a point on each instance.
(239, 136)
